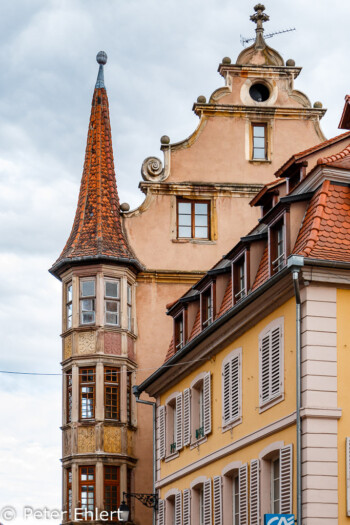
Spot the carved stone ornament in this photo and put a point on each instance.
(86, 343)
(86, 439)
(67, 347)
(112, 439)
(67, 442)
(152, 169)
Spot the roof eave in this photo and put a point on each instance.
(63, 264)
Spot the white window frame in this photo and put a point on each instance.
(171, 421)
(108, 298)
(277, 397)
(129, 301)
(201, 488)
(227, 390)
(69, 305)
(87, 298)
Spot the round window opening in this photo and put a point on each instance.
(259, 92)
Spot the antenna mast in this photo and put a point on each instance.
(245, 41)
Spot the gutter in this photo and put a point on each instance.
(298, 261)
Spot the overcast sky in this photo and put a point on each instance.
(162, 54)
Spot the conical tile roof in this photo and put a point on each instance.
(97, 231)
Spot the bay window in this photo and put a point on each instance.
(112, 302)
(87, 393)
(87, 301)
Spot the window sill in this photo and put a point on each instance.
(172, 456)
(231, 425)
(193, 241)
(272, 402)
(195, 444)
(261, 161)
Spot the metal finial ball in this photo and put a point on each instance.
(101, 58)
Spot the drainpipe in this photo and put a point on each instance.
(136, 393)
(298, 389)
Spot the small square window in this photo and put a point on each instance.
(193, 219)
(112, 301)
(87, 301)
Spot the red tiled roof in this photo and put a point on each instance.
(270, 185)
(97, 228)
(227, 300)
(196, 326)
(263, 270)
(171, 350)
(325, 232)
(309, 151)
(341, 159)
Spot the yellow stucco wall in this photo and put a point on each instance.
(251, 420)
(343, 358)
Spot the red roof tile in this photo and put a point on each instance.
(196, 326)
(227, 300)
(339, 160)
(97, 229)
(325, 232)
(263, 270)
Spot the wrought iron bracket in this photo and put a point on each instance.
(149, 500)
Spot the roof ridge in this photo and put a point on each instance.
(317, 219)
(335, 157)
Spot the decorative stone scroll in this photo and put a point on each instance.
(152, 169)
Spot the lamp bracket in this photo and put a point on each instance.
(149, 500)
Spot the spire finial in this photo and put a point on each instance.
(101, 59)
(258, 19)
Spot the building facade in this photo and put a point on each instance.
(255, 419)
(120, 267)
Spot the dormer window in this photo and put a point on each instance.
(207, 307)
(239, 280)
(179, 331)
(278, 247)
(259, 141)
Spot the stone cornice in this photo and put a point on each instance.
(254, 70)
(261, 112)
(204, 188)
(169, 276)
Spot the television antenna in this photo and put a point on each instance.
(245, 41)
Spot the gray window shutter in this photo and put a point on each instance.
(226, 402)
(348, 476)
(243, 494)
(179, 424)
(276, 361)
(161, 415)
(254, 492)
(187, 416)
(286, 485)
(178, 509)
(207, 403)
(235, 386)
(217, 500)
(187, 507)
(161, 512)
(207, 502)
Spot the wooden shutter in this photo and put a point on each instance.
(217, 500)
(161, 512)
(243, 494)
(254, 492)
(207, 403)
(161, 415)
(286, 485)
(179, 426)
(226, 401)
(187, 416)
(275, 361)
(265, 369)
(207, 502)
(348, 476)
(235, 386)
(178, 509)
(186, 507)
